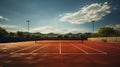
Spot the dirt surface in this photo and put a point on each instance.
(59, 53)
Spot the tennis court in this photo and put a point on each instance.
(59, 53)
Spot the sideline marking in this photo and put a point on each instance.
(39, 48)
(24, 49)
(96, 49)
(6, 45)
(80, 49)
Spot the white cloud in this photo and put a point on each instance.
(1, 17)
(89, 13)
(44, 29)
(7, 26)
(117, 26)
(51, 29)
(4, 18)
(12, 28)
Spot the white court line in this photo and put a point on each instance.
(14, 44)
(96, 49)
(60, 54)
(24, 49)
(83, 53)
(39, 48)
(80, 49)
(60, 50)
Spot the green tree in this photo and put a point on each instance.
(106, 31)
(19, 33)
(12, 34)
(87, 34)
(3, 32)
(69, 35)
(60, 36)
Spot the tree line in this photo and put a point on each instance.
(6, 36)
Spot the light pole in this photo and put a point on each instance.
(28, 24)
(93, 25)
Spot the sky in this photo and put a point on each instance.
(59, 16)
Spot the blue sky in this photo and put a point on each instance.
(59, 16)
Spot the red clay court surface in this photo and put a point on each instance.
(59, 53)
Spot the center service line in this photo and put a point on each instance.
(60, 51)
